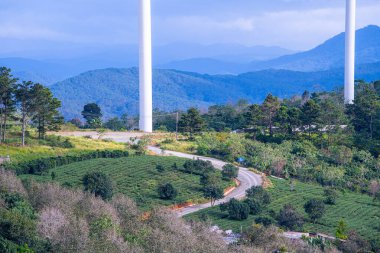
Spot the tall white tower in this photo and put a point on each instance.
(349, 75)
(146, 107)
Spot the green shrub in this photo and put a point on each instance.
(265, 220)
(236, 210)
(289, 218)
(99, 184)
(42, 165)
(230, 172)
(315, 208)
(198, 167)
(167, 191)
(160, 168)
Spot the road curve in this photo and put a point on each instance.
(247, 179)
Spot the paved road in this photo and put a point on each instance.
(246, 178)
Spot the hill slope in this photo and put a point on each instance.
(116, 90)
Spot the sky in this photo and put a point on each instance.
(292, 24)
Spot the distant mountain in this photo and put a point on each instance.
(325, 56)
(330, 54)
(57, 68)
(116, 90)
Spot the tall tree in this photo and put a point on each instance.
(191, 122)
(47, 117)
(310, 114)
(270, 108)
(7, 101)
(26, 101)
(92, 114)
(254, 118)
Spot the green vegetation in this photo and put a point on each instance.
(136, 177)
(49, 147)
(97, 183)
(359, 211)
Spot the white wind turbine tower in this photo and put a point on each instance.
(146, 107)
(349, 75)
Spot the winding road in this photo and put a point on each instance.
(247, 178)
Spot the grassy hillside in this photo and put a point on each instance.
(36, 149)
(358, 210)
(135, 177)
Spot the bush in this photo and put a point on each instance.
(230, 172)
(315, 208)
(99, 184)
(254, 206)
(330, 196)
(236, 210)
(259, 194)
(160, 168)
(167, 191)
(42, 165)
(198, 167)
(289, 218)
(265, 220)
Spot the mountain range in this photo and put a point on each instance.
(329, 54)
(116, 90)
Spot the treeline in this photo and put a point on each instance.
(26, 102)
(322, 117)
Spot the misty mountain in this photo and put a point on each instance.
(330, 54)
(55, 66)
(116, 90)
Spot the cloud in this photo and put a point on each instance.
(296, 24)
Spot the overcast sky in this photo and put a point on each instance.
(293, 24)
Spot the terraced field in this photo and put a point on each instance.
(358, 210)
(135, 176)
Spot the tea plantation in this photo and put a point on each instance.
(359, 211)
(135, 176)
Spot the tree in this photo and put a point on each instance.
(341, 230)
(76, 122)
(213, 193)
(92, 114)
(236, 210)
(46, 116)
(365, 114)
(270, 108)
(24, 97)
(115, 124)
(7, 102)
(191, 122)
(210, 179)
(167, 191)
(310, 115)
(315, 208)
(254, 118)
(290, 218)
(99, 184)
(230, 172)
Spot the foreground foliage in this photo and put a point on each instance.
(359, 211)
